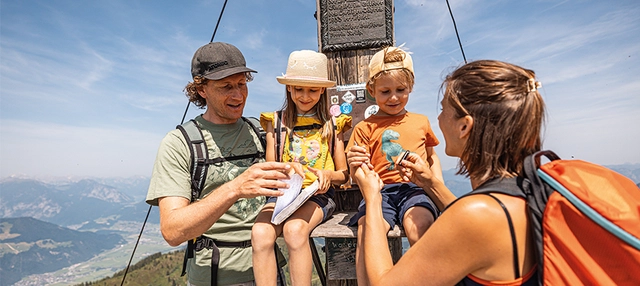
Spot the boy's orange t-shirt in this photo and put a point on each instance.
(386, 137)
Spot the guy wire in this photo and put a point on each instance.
(457, 35)
(218, 23)
(187, 108)
(124, 276)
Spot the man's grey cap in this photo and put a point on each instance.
(218, 60)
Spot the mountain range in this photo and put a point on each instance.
(32, 246)
(78, 205)
(47, 226)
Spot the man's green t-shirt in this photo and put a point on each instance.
(171, 178)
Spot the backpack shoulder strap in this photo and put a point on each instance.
(531, 164)
(516, 187)
(508, 186)
(254, 123)
(279, 146)
(514, 243)
(200, 162)
(537, 197)
(334, 134)
(199, 156)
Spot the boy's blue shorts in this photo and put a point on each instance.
(397, 198)
(324, 201)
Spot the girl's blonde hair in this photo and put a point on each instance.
(402, 75)
(290, 114)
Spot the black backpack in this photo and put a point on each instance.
(200, 162)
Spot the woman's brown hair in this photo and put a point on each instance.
(508, 116)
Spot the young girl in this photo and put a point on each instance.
(312, 138)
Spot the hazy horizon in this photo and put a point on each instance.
(88, 89)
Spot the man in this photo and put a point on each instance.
(234, 190)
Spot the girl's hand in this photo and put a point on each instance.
(416, 170)
(296, 168)
(357, 156)
(324, 178)
(369, 182)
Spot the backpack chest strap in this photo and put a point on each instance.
(219, 160)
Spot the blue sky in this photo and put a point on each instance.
(89, 88)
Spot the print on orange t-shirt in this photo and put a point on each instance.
(387, 137)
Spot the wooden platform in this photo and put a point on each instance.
(336, 227)
(340, 249)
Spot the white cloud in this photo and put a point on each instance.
(62, 150)
(80, 80)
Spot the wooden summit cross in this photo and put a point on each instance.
(350, 32)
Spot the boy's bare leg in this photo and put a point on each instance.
(416, 221)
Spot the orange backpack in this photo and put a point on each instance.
(587, 222)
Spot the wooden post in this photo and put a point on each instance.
(350, 32)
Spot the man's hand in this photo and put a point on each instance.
(296, 167)
(264, 179)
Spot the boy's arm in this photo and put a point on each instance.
(357, 153)
(341, 173)
(434, 163)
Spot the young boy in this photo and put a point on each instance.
(380, 141)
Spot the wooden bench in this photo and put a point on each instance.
(341, 240)
(337, 226)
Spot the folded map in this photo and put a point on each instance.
(292, 199)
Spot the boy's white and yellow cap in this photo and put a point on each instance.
(377, 64)
(307, 68)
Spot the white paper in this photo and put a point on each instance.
(292, 198)
(290, 194)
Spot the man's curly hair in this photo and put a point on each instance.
(191, 90)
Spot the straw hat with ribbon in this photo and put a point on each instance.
(307, 68)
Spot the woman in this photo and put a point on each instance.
(491, 119)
